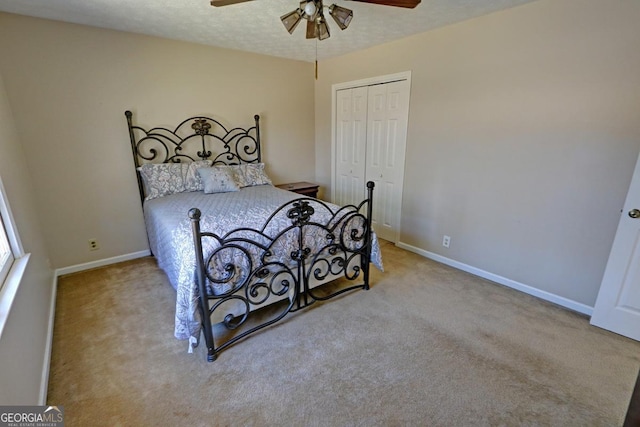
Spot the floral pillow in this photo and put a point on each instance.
(162, 179)
(218, 180)
(192, 180)
(251, 174)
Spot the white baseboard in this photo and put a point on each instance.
(547, 296)
(52, 309)
(100, 263)
(46, 364)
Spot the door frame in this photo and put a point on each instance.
(370, 81)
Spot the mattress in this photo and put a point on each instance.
(171, 241)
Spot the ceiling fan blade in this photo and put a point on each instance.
(410, 4)
(219, 3)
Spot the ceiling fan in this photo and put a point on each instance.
(313, 12)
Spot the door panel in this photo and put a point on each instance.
(375, 144)
(388, 208)
(618, 304)
(386, 140)
(350, 145)
(630, 296)
(392, 144)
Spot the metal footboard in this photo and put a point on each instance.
(248, 269)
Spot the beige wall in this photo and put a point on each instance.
(69, 86)
(522, 138)
(523, 132)
(24, 338)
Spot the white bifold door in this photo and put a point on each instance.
(351, 146)
(370, 141)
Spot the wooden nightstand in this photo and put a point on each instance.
(305, 188)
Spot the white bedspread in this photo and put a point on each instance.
(170, 236)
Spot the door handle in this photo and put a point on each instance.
(634, 213)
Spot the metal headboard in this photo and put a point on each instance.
(196, 138)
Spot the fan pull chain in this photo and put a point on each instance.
(316, 59)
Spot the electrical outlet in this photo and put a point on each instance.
(446, 241)
(93, 245)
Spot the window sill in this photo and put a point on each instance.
(10, 288)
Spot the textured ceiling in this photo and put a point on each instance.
(255, 26)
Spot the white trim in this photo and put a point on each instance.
(334, 93)
(7, 260)
(46, 364)
(100, 263)
(10, 288)
(527, 289)
(16, 250)
(46, 368)
(405, 75)
(10, 224)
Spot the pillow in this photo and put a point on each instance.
(218, 180)
(238, 176)
(251, 174)
(162, 179)
(192, 180)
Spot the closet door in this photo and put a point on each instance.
(388, 112)
(351, 139)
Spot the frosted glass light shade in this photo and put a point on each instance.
(291, 20)
(341, 15)
(323, 28)
(310, 8)
(312, 30)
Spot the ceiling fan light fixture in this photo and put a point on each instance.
(312, 30)
(292, 19)
(323, 28)
(310, 9)
(341, 15)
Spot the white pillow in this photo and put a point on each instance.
(192, 180)
(162, 179)
(218, 180)
(251, 174)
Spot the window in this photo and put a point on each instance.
(10, 246)
(13, 260)
(6, 255)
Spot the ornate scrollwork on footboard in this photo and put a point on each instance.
(304, 243)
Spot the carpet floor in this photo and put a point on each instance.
(426, 345)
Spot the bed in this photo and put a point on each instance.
(230, 242)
